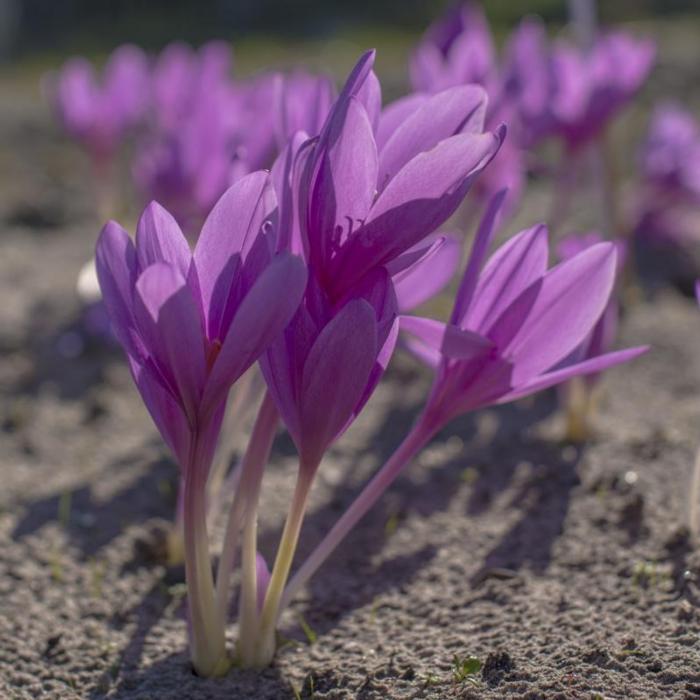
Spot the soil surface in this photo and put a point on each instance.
(564, 571)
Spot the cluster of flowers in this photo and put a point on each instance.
(309, 271)
(197, 129)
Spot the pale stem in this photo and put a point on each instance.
(206, 627)
(243, 402)
(694, 502)
(252, 468)
(412, 444)
(265, 646)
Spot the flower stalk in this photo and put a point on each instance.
(206, 628)
(416, 439)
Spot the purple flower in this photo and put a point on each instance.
(191, 324)
(590, 88)
(365, 199)
(514, 323)
(670, 155)
(527, 82)
(224, 303)
(302, 103)
(189, 168)
(99, 112)
(456, 50)
(182, 77)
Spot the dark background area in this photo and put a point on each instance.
(47, 26)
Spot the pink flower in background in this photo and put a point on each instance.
(455, 50)
(99, 111)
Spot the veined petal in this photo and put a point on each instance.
(171, 326)
(592, 366)
(429, 274)
(425, 193)
(511, 270)
(343, 182)
(166, 412)
(117, 269)
(452, 342)
(480, 248)
(261, 317)
(227, 236)
(283, 175)
(160, 239)
(571, 299)
(394, 114)
(370, 95)
(460, 109)
(335, 376)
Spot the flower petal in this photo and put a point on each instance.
(335, 375)
(171, 326)
(512, 268)
(592, 366)
(342, 185)
(429, 274)
(261, 317)
(480, 247)
(460, 109)
(117, 269)
(452, 342)
(227, 236)
(425, 193)
(160, 239)
(571, 299)
(394, 114)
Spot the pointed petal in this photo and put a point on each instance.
(430, 274)
(117, 269)
(457, 110)
(335, 375)
(394, 114)
(160, 239)
(167, 414)
(511, 270)
(425, 193)
(572, 297)
(370, 95)
(227, 236)
(592, 366)
(477, 256)
(283, 175)
(452, 342)
(343, 182)
(261, 317)
(171, 326)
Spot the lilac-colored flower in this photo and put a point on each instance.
(590, 88)
(191, 323)
(514, 323)
(98, 112)
(182, 77)
(365, 199)
(162, 298)
(302, 103)
(189, 168)
(670, 154)
(456, 50)
(324, 368)
(527, 82)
